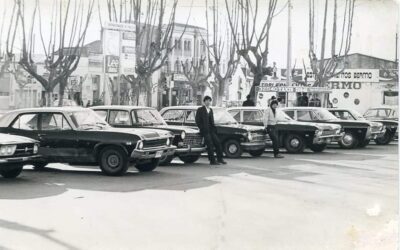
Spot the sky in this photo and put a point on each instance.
(374, 27)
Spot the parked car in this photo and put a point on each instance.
(78, 136)
(378, 129)
(235, 138)
(15, 152)
(389, 116)
(294, 136)
(356, 133)
(188, 140)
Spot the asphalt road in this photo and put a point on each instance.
(339, 199)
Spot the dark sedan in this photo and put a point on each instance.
(235, 138)
(188, 141)
(389, 117)
(15, 152)
(79, 136)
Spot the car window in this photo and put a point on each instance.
(252, 116)
(235, 114)
(304, 115)
(102, 114)
(290, 113)
(54, 121)
(191, 115)
(26, 122)
(174, 115)
(119, 117)
(383, 113)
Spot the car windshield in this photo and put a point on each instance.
(87, 119)
(222, 117)
(381, 112)
(149, 117)
(357, 115)
(324, 115)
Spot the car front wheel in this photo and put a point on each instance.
(147, 167)
(166, 160)
(364, 144)
(12, 173)
(232, 149)
(113, 161)
(348, 141)
(294, 144)
(385, 139)
(39, 165)
(317, 147)
(189, 158)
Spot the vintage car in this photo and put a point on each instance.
(378, 130)
(356, 133)
(188, 141)
(389, 116)
(78, 136)
(235, 138)
(294, 136)
(15, 152)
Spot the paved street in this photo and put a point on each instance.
(340, 199)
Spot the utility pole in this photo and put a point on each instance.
(289, 52)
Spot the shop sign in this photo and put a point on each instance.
(351, 75)
(112, 64)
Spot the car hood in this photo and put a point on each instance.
(177, 129)
(14, 139)
(242, 127)
(143, 133)
(348, 124)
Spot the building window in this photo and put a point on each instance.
(177, 66)
(178, 44)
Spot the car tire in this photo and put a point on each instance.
(256, 153)
(166, 160)
(348, 141)
(189, 158)
(385, 139)
(12, 173)
(317, 148)
(113, 161)
(294, 144)
(39, 165)
(148, 166)
(364, 143)
(232, 149)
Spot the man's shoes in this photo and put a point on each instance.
(222, 162)
(278, 156)
(214, 163)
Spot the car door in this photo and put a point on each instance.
(174, 116)
(58, 140)
(25, 124)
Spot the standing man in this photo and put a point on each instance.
(205, 122)
(248, 102)
(271, 117)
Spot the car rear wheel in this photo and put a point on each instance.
(11, 173)
(189, 158)
(39, 165)
(294, 144)
(317, 147)
(113, 161)
(166, 160)
(232, 149)
(256, 153)
(364, 144)
(348, 141)
(149, 166)
(385, 139)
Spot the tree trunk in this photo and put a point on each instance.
(256, 82)
(221, 91)
(49, 98)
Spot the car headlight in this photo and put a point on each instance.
(318, 132)
(183, 135)
(139, 145)
(35, 148)
(168, 142)
(249, 136)
(7, 150)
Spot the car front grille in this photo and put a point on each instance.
(256, 136)
(154, 143)
(25, 149)
(376, 129)
(328, 132)
(193, 140)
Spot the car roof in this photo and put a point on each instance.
(384, 107)
(48, 109)
(123, 107)
(247, 107)
(191, 107)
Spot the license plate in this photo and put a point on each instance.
(159, 154)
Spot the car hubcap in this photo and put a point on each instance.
(113, 161)
(295, 142)
(232, 148)
(347, 139)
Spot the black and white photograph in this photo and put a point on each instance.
(199, 124)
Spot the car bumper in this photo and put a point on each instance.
(377, 135)
(21, 159)
(151, 153)
(190, 150)
(326, 139)
(250, 146)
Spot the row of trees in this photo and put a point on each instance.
(242, 33)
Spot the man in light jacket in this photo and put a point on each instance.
(271, 116)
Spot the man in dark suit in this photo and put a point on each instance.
(205, 122)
